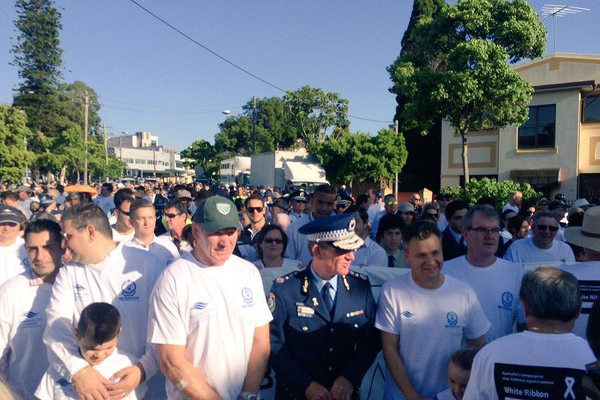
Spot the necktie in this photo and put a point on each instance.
(326, 296)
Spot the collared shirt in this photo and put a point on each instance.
(320, 282)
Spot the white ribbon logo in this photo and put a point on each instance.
(569, 381)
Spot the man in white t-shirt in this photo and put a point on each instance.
(497, 282)
(208, 316)
(101, 271)
(143, 219)
(514, 203)
(377, 207)
(12, 251)
(547, 361)
(23, 301)
(587, 272)
(423, 318)
(105, 200)
(542, 246)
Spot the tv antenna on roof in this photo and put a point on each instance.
(559, 10)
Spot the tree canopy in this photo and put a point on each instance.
(206, 155)
(458, 67)
(13, 135)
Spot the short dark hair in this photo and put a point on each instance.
(542, 214)
(260, 236)
(9, 195)
(514, 224)
(463, 358)
(177, 204)
(99, 322)
(254, 196)
(420, 230)
(44, 225)
(485, 211)
(88, 213)
(362, 213)
(550, 293)
(139, 203)
(123, 195)
(107, 185)
(325, 188)
(362, 199)
(387, 222)
(454, 206)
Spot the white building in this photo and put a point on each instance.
(558, 149)
(231, 168)
(145, 157)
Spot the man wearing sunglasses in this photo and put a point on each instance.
(256, 211)
(123, 230)
(12, 250)
(390, 207)
(542, 246)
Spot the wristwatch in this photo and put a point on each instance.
(248, 396)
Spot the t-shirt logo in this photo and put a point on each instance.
(128, 290)
(408, 314)
(247, 296)
(507, 299)
(452, 319)
(199, 306)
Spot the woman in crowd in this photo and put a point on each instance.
(271, 242)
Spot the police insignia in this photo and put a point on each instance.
(271, 302)
(280, 280)
(223, 208)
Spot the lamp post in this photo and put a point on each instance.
(254, 120)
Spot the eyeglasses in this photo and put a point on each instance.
(484, 231)
(171, 215)
(434, 215)
(253, 209)
(271, 240)
(551, 228)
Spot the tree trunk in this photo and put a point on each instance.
(465, 156)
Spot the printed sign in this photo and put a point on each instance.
(589, 290)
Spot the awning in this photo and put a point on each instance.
(304, 172)
(536, 177)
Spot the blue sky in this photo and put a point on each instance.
(150, 78)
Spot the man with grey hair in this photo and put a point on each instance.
(547, 361)
(208, 314)
(514, 203)
(542, 246)
(497, 282)
(101, 271)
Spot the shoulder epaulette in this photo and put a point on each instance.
(286, 277)
(358, 275)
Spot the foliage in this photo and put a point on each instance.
(499, 191)
(359, 157)
(458, 67)
(206, 155)
(71, 99)
(13, 133)
(317, 114)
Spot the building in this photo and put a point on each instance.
(145, 158)
(558, 149)
(235, 170)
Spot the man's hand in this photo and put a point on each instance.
(128, 379)
(341, 389)
(315, 391)
(90, 385)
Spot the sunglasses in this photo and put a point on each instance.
(551, 228)
(171, 215)
(271, 240)
(391, 203)
(123, 212)
(253, 209)
(484, 231)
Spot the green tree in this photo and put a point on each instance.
(360, 157)
(38, 57)
(317, 114)
(14, 157)
(206, 155)
(500, 192)
(459, 68)
(71, 100)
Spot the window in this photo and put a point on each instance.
(591, 110)
(540, 129)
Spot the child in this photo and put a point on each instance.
(97, 332)
(459, 370)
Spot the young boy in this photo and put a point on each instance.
(97, 332)
(459, 370)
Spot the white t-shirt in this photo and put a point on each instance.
(588, 275)
(119, 237)
(431, 325)
(12, 260)
(213, 312)
(445, 395)
(297, 243)
(519, 359)
(509, 206)
(497, 288)
(375, 209)
(370, 254)
(124, 279)
(525, 251)
(162, 247)
(55, 387)
(23, 303)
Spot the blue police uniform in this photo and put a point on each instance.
(308, 343)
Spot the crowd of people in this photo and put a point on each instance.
(154, 291)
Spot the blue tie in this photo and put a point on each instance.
(326, 296)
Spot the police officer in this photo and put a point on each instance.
(322, 336)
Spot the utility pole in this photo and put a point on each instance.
(253, 124)
(105, 145)
(86, 99)
(396, 184)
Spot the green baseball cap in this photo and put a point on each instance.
(216, 213)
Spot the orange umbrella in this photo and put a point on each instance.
(79, 188)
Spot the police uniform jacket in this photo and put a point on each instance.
(307, 344)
